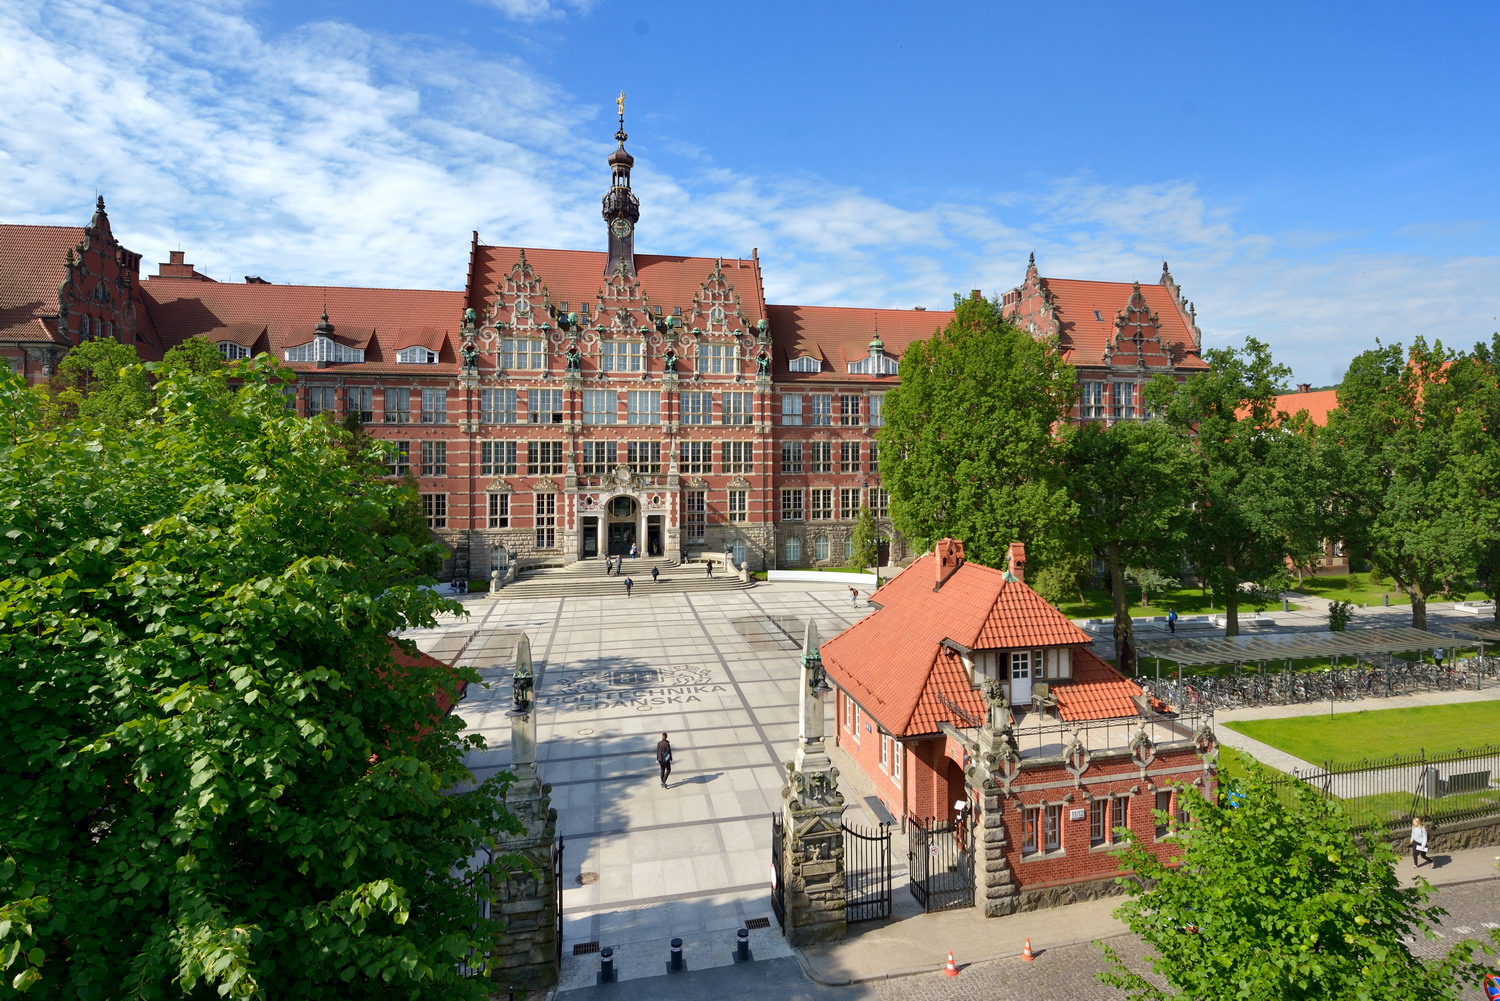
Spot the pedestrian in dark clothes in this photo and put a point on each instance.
(628, 585)
(709, 567)
(664, 758)
(655, 574)
(1171, 620)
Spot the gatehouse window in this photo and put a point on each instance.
(1119, 813)
(885, 752)
(1031, 822)
(1052, 827)
(1099, 821)
(1163, 812)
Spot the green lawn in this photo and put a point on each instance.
(1187, 601)
(1357, 589)
(1347, 738)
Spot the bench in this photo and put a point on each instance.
(1475, 607)
(1464, 782)
(1246, 619)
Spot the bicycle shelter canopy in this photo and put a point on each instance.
(1478, 633)
(1297, 646)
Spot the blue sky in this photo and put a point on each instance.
(1318, 175)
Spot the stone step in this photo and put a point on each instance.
(587, 578)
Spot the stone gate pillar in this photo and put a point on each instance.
(813, 815)
(995, 766)
(526, 902)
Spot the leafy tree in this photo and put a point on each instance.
(1063, 578)
(217, 784)
(1149, 580)
(1253, 484)
(968, 448)
(196, 354)
(866, 540)
(99, 380)
(1411, 462)
(1130, 482)
(1275, 899)
(1483, 376)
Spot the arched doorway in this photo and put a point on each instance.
(622, 514)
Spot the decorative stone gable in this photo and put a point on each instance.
(1137, 339)
(716, 309)
(97, 296)
(520, 305)
(1187, 309)
(1033, 308)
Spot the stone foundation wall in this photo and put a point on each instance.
(1457, 836)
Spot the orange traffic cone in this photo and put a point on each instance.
(950, 969)
(1026, 952)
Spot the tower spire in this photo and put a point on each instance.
(621, 210)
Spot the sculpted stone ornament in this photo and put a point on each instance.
(805, 791)
(762, 364)
(469, 352)
(574, 358)
(669, 363)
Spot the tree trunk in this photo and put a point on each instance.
(1124, 636)
(1419, 611)
(1231, 599)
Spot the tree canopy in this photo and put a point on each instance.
(968, 448)
(218, 782)
(1274, 899)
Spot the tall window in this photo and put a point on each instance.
(880, 502)
(821, 410)
(849, 411)
(717, 359)
(601, 406)
(1031, 822)
(398, 457)
(848, 503)
(544, 458)
(1119, 813)
(820, 548)
(497, 458)
(1099, 821)
(848, 549)
(695, 456)
(497, 406)
(1123, 394)
(874, 456)
(877, 410)
(522, 353)
(821, 459)
(361, 400)
(620, 356)
(738, 408)
(791, 457)
(791, 506)
(319, 400)
(1093, 400)
(434, 458)
(544, 406)
(435, 507)
(694, 515)
(643, 457)
(499, 505)
(697, 408)
(885, 752)
(791, 410)
(398, 406)
(598, 457)
(793, 550)
(896, 749)
(739, 507)
(642, 407)
(1163, 812)
(822, 506)
(848, 456)
(546, 521)
(434, 406)
(1052, 828)
(739, 456)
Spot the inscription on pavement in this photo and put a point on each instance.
(635, 687)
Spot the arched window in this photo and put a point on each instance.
(416, 356)
(232, 351)
(848, 548)
(820, 548)
(805, 363)
(794, 550)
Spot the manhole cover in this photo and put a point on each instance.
(584, 732)
(587, 878)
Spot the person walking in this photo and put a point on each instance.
(1171, 620)
(854, 596)
(708, 565)
(1418, 842)
(634, 552)
(628, 585)
(664, 758)
(656, 575)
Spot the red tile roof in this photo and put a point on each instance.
(1084, 336)
(1096, 690)
(838, 335)
(443, 699)
(33, 263)
(1318, 403)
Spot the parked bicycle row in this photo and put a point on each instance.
(1377, 676)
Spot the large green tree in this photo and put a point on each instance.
(1412, 465)
(1253, 481)
(216, 782)
(1479, 375)
(1275, 899)
(968, 448)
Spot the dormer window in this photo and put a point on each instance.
(805, 363)
(1098, 316)
(323, 349)
(875, 364)
(232, 351)
(416, 356)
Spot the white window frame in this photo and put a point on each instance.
(413, 356)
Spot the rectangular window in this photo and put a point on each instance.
(361, 400)
(518, 353)
(1052, 821)
(738, 408)
(643, 457)
(822, 507)
(848, 456)
(544, 458)
(1163, 812)
(435, 507)
(739, 456)
(499, 510)
(1099, 821)
(398, 457)
(821, 411)
(849, 411)
(848, 503)
(856, 708)
(620, 356)
(717, 359)
(497, 406)
(601, 406)
(694, 515)
(1092, 402)
(791, 505)
(319, 400)
(848, 713)
(1119, 815)
(1031, 822)
(642, 407)
(398, 406)
(1123, 400)
(497, 458)
(544, 406)
(791, 457)
(434, 458)
(877, 410)
(695, 456)
(739, 507)
(434, 406)
(546, 521)
(897, 750)
(791, 410)
(874, 457)
(880, 502)
(598, 457)
(697, 408)
(821, 460)
(885, 753)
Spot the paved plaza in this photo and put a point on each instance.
(717, 671)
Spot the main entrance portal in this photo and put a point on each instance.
(622, 513)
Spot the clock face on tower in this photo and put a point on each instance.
(620, 227)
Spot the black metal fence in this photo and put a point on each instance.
(867, 873)
(941, 865)
(778, 866)
(1388, 792)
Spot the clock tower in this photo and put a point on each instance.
(621, 209)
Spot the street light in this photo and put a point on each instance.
(521, 683)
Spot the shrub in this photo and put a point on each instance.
(1339, 614)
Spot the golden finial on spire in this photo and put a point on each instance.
(620, 103)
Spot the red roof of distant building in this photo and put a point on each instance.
(1317, 402)
(1087, 310)
(33, 263)
(839, 335)
(443, 699)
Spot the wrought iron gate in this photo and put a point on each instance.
(557, 883)
(942, 865)
(867, 874)
(778, 883)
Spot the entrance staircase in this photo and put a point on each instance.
(586, 578)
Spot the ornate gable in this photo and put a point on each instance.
(96, 298)
(1137, 339)
(716, 309)
(623, 307)
(520, 304)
